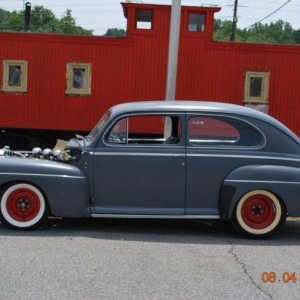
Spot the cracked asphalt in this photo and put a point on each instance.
(147, 259)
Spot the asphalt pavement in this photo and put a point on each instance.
(147, 259)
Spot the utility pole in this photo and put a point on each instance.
(172, 60)
(173, 50)
(234, 21)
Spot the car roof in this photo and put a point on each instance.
(199, 106)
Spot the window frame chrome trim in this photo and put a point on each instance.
(126, 115)
(244, 156)
(215, 217)
(261, 181)
(138, 154)
(43, 175)
(190, 115)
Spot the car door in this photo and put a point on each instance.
(138, 170)
(216, 145)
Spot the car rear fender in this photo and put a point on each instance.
(283, 181)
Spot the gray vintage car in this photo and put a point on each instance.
(162, 159)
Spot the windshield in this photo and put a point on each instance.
(99, 126)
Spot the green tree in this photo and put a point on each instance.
(222, 30)
(12, 21)
(296, 36)
(42, 20)
(3, 15)
(67, 24)
(115, 32)
(279, 32)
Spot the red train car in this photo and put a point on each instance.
(56, 85)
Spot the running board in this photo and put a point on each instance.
(208, 217)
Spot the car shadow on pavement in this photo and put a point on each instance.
(157, 231)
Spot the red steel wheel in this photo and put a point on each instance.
(23, 206)
(258, 213)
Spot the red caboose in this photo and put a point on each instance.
(56, 85)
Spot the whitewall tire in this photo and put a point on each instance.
(258, 213)
(23, 206)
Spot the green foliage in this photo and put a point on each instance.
(115, 32)
(67, 24)
(296, 36)
(222, 30)
(3, 15)
(279, 32)
(42, 20)
(12, 21)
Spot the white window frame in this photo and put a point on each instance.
(263, 99)
(23, 80)
(88, 76)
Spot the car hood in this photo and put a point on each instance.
(19, 165)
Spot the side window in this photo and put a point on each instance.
(119, 134)
(196, 22)
(78, 79)
(210, 130)
(144, 19)
(256, 87)
(14, 76)
(146, 130)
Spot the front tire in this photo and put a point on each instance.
(23, 206)
(258, 214)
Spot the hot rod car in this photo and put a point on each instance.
(162, 159)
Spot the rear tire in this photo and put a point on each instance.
(23, 206)
(258, 214)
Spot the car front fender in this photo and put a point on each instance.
(283, 181)
(65, 186)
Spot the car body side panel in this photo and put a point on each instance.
(283, 181)
(65, 186)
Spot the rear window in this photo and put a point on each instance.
(211, 130)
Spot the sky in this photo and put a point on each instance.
(99, 15)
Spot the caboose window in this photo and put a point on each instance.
(78, 79)
(196, 22)
(144, 19)
(256, 87)
(14, 76)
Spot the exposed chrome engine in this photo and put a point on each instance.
(48, 154)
